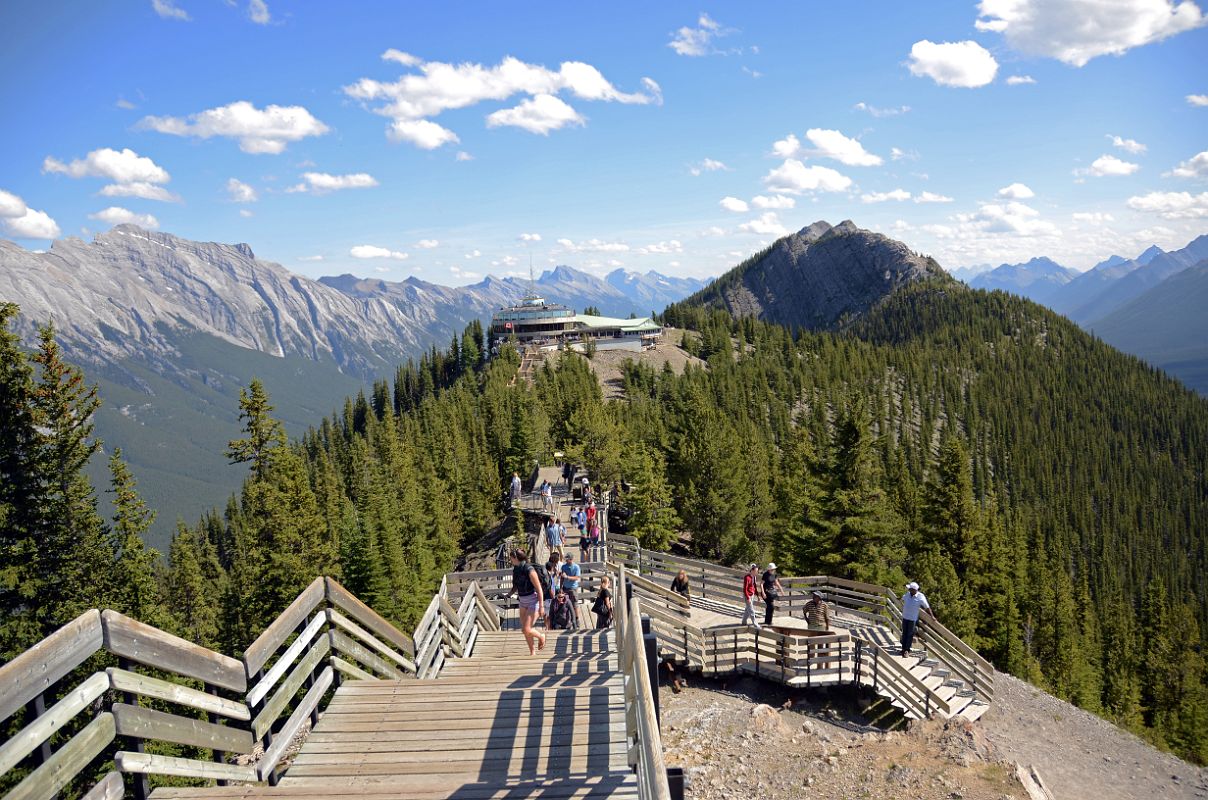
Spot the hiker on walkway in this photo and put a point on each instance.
(570, 584)
(553, 579)
(603, 604)
(591, 514)
(680, 585)
(585, 545)
(771, 593)
(554, 535)
(581, 520)
(568, 474)
(560, 612)
(547, 497)
(526, 585)
(516, 488)
(912, 602)
(750, 591)
(817, 615)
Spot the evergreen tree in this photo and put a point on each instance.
(191, 592)
(654, 520)
(136, 591)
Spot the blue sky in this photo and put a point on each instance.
(442, 139)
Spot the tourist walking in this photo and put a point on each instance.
(554, 535)
(581, 520)
(549, 585)
(771, 593)
(568, 474)
(602, 607)
(570, 584)
(526, 585)
(547, 497)
(913, 602)
(750, 591)
(680, 585)
(593, 537)
(516, 488)
(817, 615)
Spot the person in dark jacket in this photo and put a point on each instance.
(680, 585)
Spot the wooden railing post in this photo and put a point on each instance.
(141, 781)
(37, 707)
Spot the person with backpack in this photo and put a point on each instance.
(555, 581)
(602, 607)
(771, 593)
(527, 586)
(750, 591)
(570, 584)
(593, 537)
(560, 612)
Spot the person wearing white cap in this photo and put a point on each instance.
(771, 593)
(913, 602)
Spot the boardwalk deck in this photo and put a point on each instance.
(500, 724)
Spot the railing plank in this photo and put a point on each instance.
(150, 646)
(260, 651)
(295, 649)
(272, 756)
(351, 670)
(289, 687)
(183, 767)
(68, 761)
(343, 599)
(349, 647)
(39, 730)
(41, 666)
(109, 787)
(126, 681)
(147, 723)
(367, 638)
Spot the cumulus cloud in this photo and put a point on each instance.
(257, 12)
(593, 246)
(833, 144)
(373, 251)
(1096, 217)
(1016, 191)
(167, 9)
(1020, 80)
(132, 175)
(766, 224)
(1197, 99)
(707, 165)
(473, 254)
(259, 130)
(1129, 145)
(1172, 205)
(115, 215)
(427, 244)
(540, 114)
(775, 202)
(433, 87)
(23, 222)
(701, 40)
(1194, 167)
(462, 155)
(787, 147)
(898, 195)
(240, 192)
(961, 64)
(1108, 166)
(662, 248)
(1075, 31)
(931, 197)
(794, 177)
(734, 204)
(530, 237)
(898, 154)
(881, 112)
(322, 182)
(1012, 217)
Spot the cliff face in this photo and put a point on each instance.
(819, 277)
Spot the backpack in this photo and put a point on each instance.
(543, 576)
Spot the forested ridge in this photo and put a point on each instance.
(1047, 491)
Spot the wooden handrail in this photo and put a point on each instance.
(641, 719)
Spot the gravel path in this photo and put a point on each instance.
(1079, 755)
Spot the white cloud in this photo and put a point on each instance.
(167, 9)
(322, 182)
(1097, 217)
(734, 204)
(766, 224)
(257, 12)
(23, 222)
(1011, 218)
(311, 258)
(775, 202)
(1020, 80)
(1197, 99)
(1108, 166)
(833, 144)
(882, 112)
(462, 155)
(881, 197)
(593, 246)
(473, 254)
(1194, 167)
(662, 248)
(1016, 191)
(707, 165)
(962, 64)
(931, 197)
(373, 251)
(1075, 31)
(540, 114)
(530, 237)
(266, 130)
(787, 147)
(132, 175)
(1172, 205)
(898, 154)
(433, 87)
(240, 192)
(124, 104)
(699, 41)
(793, 177)
(1129, 145)
(427, 244)
(713, 231)
(115, 215)
(245, 213)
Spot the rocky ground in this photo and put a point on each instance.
(753, 739)
(607, 364)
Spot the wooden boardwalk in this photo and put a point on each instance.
(499, 724)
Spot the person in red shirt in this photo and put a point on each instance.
(750, 590)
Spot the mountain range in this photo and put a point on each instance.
(172, 328)
(1040, 279)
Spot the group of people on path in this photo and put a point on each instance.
(550, 592)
